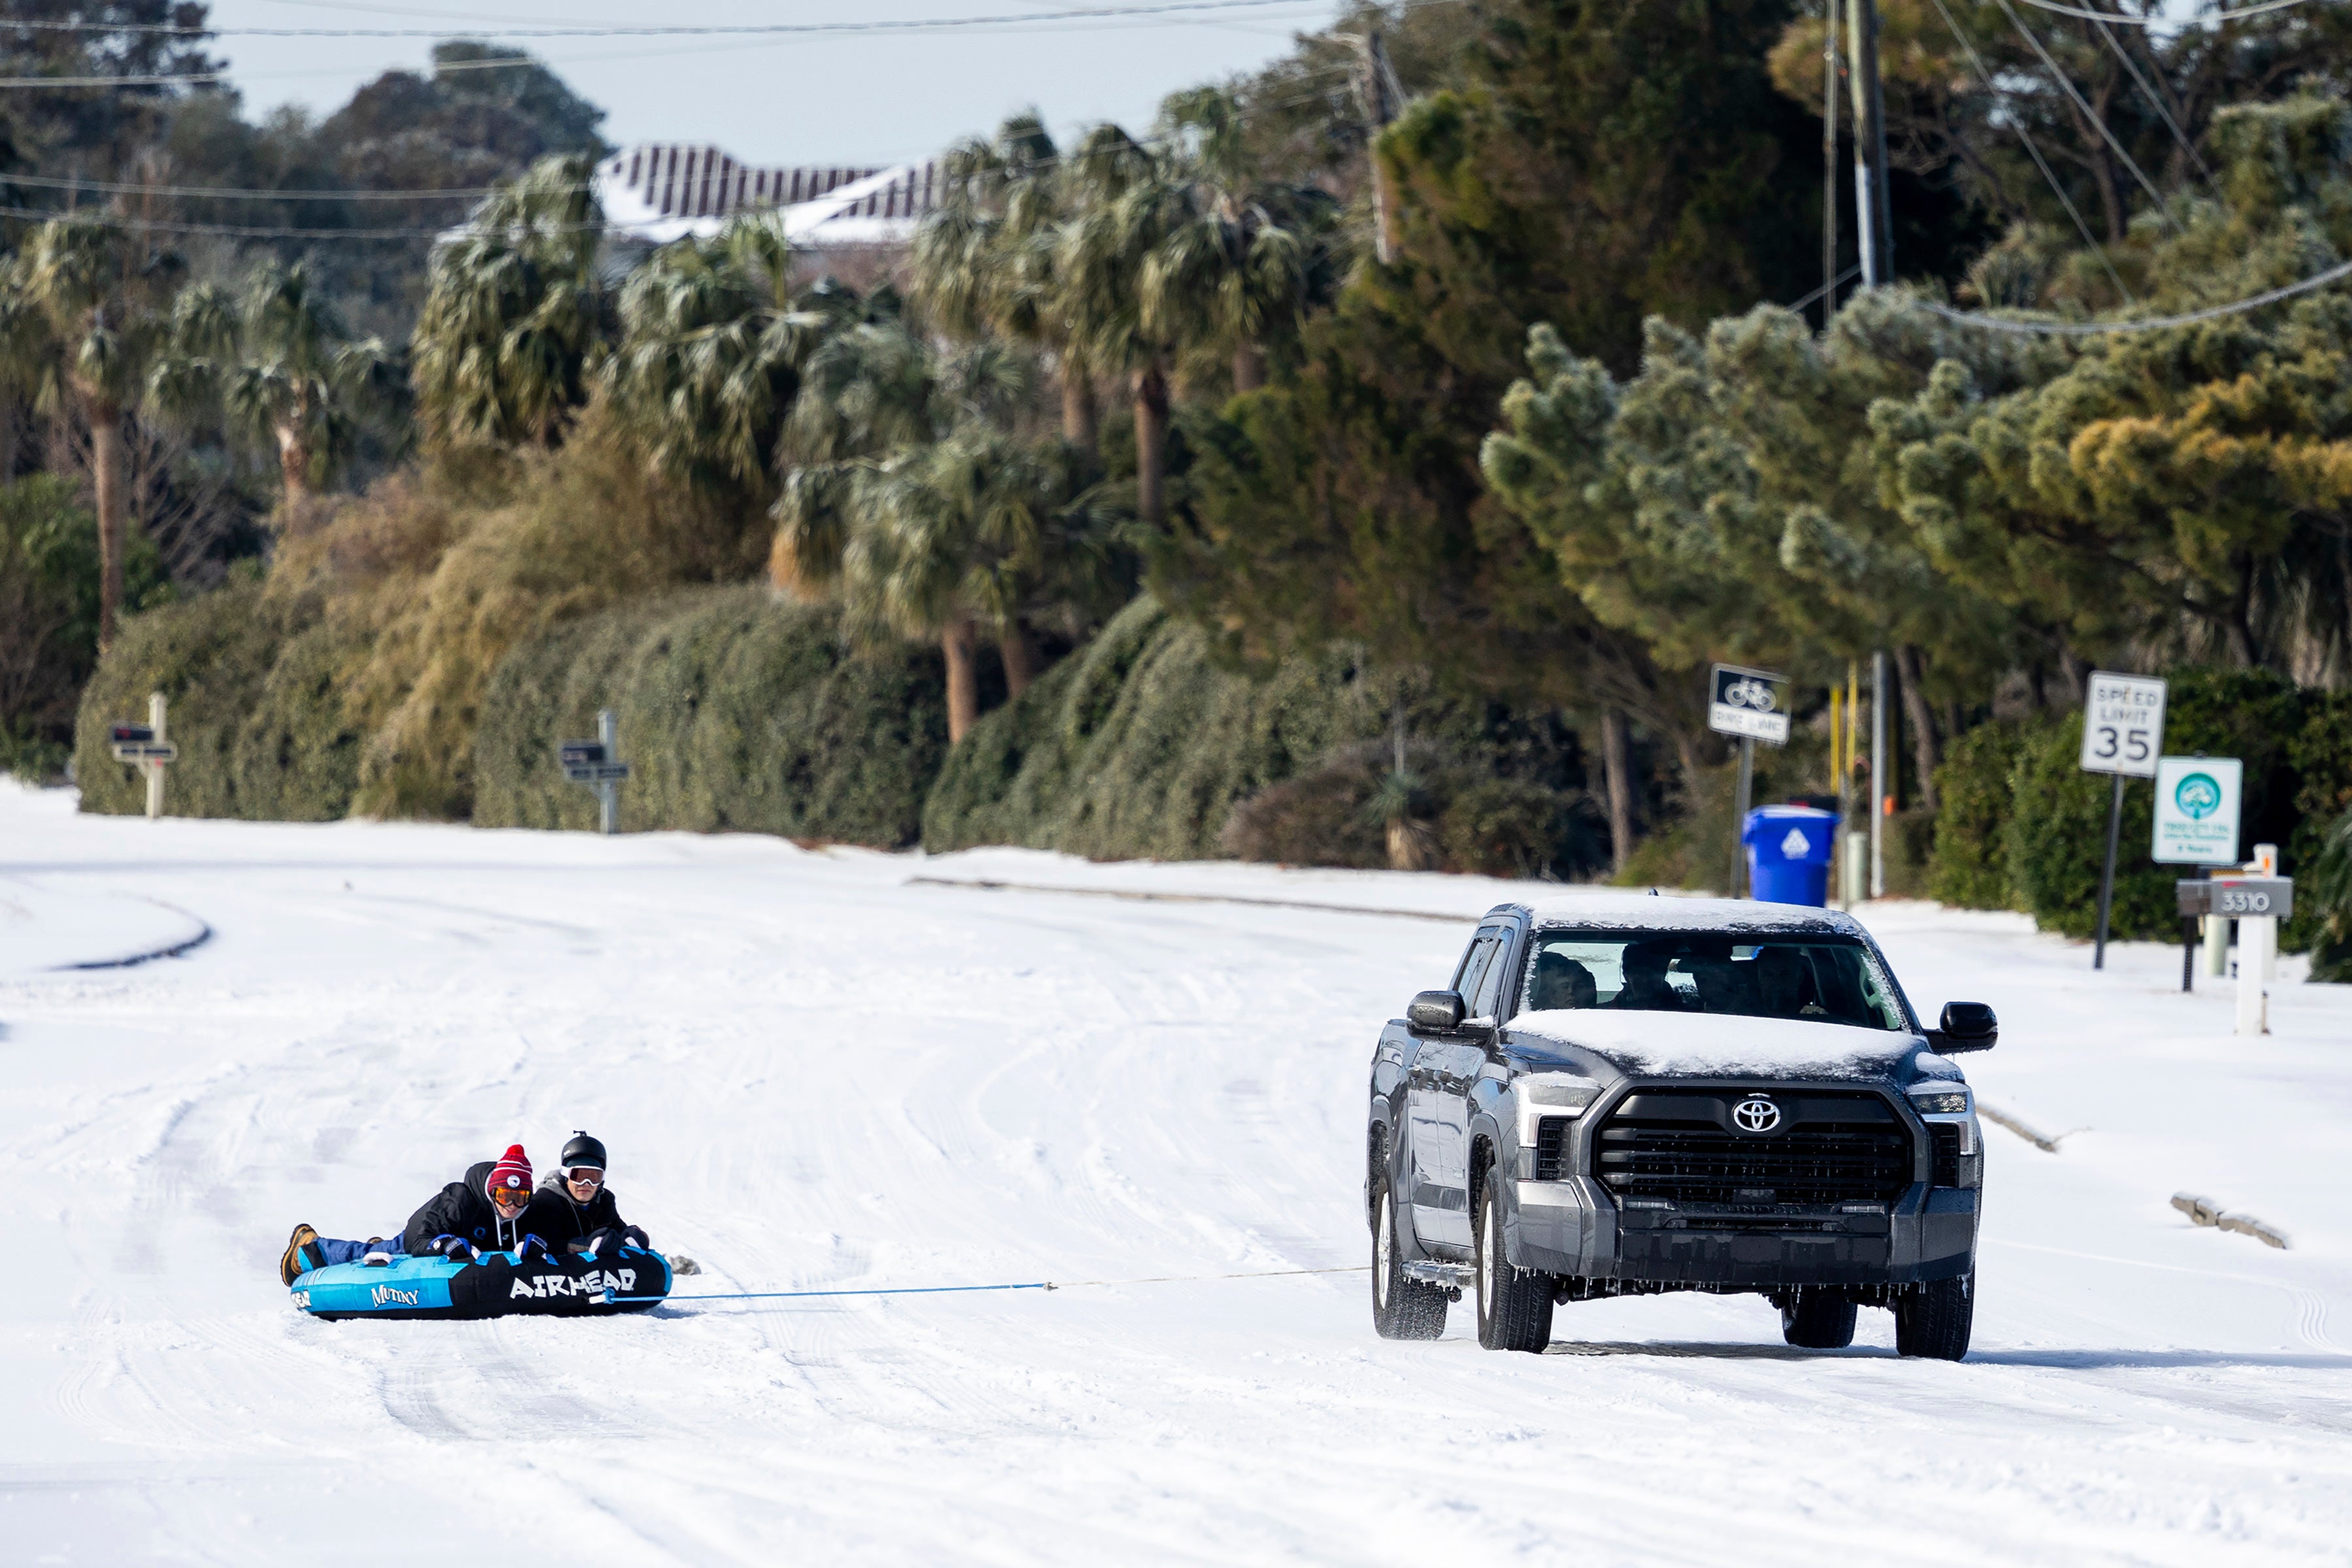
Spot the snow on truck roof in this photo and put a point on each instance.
(1646, 911)
(1712, 1043)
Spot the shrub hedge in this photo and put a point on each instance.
(736, 711)
(2023, 826)
(255, 682)
(1139, 745)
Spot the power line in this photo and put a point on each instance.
(2098, 329)
(243, 231)
(1985, 76)
(663, 30)
(227, 193)
(2210, 18)
(2066, 85)
(2156, 103)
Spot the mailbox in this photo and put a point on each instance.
(2238, 897)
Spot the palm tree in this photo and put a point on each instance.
(712, 351)
(1235, 272)
(983, 262)
(93, 290)
(282, 366)
(28, 359)
(514, 317)
(1128, 201)
(913, 502)
(952, 539)
(865, 392)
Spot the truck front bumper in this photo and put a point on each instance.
(1575, 1228)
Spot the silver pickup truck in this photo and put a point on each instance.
(1622, 1095)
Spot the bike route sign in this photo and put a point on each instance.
(2197, 811)
(2123, 724)
(1750, 703)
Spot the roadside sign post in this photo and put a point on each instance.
(146, 747)
(2196, 823)
(1747, 703)
(595, 764)
(2123, 731)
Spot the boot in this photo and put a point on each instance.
(299, 1257)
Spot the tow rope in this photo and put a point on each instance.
(967, 1289)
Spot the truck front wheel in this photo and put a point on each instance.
(1514, 1304)
(1933, 1320)
(1402, 1308)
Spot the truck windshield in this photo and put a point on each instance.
(1829, 979)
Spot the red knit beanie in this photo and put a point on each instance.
(513, 1172)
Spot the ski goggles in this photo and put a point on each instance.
(510, 1197)
(584, 1177)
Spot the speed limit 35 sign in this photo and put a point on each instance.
(2123, 724)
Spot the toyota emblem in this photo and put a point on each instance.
(1756, 1114)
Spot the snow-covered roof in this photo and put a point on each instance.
(662, 192)
(1646, 911)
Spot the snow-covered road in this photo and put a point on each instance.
(813, 1071)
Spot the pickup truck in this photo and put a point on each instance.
(1620, 1095)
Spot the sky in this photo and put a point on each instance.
(869, 98)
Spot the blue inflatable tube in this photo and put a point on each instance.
(495, 1285)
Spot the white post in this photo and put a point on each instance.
(2217, 945)
(155, 713)
(2266, 858)
(2257, 940)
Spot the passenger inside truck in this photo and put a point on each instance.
(1823, 979)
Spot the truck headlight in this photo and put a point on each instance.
(1570, 1095)
(1941, 1099)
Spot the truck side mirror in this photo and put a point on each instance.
(1435, 1012)
(1965, 1026)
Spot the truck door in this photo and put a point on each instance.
(1438, 1106)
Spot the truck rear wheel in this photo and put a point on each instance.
(1933, 1320)
(1402, 1308)
(1514, 1304)
(1817, 1319)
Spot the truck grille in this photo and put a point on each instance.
(1551, 1144)
(1681, 1145)
(1947, 1152)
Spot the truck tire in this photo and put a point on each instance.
(1817, 1319)
(1933, 1320)
(1402, 1308)
(1514, 1304)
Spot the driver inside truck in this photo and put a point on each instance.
(1647, 988)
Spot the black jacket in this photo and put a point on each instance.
(463, 1208)
(555, 1219)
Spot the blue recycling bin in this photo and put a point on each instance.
(1789, 854)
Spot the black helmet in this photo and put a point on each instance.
(583, 1150)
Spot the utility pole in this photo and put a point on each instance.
(1878, 775)
(1874, 221)
(1828, 168)
(1875, 231)
(1383, 98)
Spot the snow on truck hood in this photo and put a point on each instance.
(1714, 1044)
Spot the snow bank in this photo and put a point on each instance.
(1709, 1044)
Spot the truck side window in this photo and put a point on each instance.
(1475, 965)
(1487, 1001)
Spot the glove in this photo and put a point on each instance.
(458, 1248)
(636, 1238)
(531, 1242)
(603, 1241)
